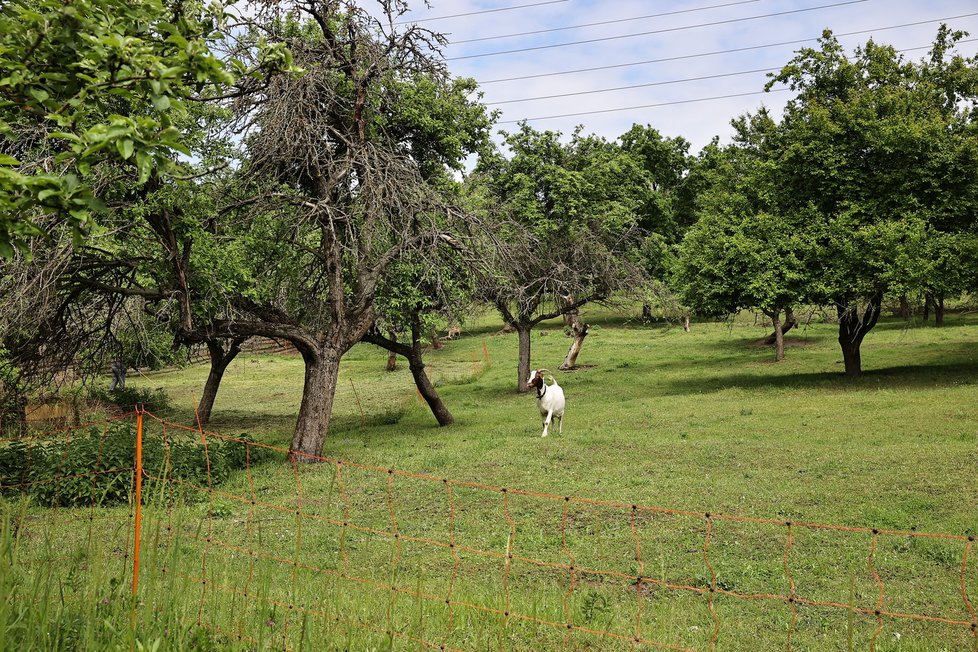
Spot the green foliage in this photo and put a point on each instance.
(568, 214)
(93, 466)
(132, 397)
(666, 187)
(743, 253)
(105, 80)
(859, 191)
(881, 148)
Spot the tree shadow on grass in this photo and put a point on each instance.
(923, 376)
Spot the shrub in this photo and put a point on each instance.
(80, 469)
(128, 398)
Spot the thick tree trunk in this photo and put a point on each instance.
(939, 310)
(789, 323)
(580, 332)
(523, 368)
(427, 390)
(851, 357)
(322, 368)
(646, 312)
(928, 299)
(779, 330)
(852, 330)
(686, 318)
(220, 359)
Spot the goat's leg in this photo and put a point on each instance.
(560, 424)
(546, 422)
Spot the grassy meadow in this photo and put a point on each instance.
(699, 422)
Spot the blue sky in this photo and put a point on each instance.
(681, 32)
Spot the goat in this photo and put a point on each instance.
(550, 399)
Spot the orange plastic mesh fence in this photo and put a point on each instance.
(386, 544)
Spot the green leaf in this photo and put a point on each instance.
(125, 147)
(47, 192)
(144, 163)
(8, 160)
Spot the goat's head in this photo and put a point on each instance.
(535, 380)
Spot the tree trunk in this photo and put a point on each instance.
(523, 368)
(220, 359)
(686, 322)
(580, 332)
(427, 390)
(413, 353)
(572, 317)
(322, 368)
(851, 357)
(905, 312)
(646, 312)
(779, 330)
(852, 330)
(789, 323)
(391, 353)
(928, 299)
(939, 310)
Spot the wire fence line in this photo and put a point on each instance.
(388, 544)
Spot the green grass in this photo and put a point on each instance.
(702, 422)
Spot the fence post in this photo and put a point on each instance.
(137, 536)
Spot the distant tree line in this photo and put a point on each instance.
(300, 175)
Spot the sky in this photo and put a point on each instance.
(699, 54)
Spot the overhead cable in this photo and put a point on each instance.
(674, 81)
(484, 11)
(689, 101)
(645, 85)
(655, 31)
(643, 106)
(715, 52)
(603, 22)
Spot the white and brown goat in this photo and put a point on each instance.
(550, 399)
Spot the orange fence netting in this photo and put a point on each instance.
(449, 564)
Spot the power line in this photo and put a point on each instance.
(715, 52)
(644, 106)
(656, 31)
(484, 11)
(603, 22)
(658, 104)
(623, 88)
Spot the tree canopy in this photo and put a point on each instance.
(91, 81)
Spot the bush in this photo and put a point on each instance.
(80, 470)
(128, 398)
